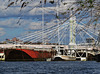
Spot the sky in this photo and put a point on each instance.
(31, 17)
(30, 20)
(10, 16)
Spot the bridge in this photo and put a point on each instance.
(80, 52)
(86, 49)
(71, 37)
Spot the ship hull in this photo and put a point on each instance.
(27, 55)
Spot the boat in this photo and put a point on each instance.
(63, 55)
(26, 54)
(64, 58)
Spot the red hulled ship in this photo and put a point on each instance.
(29, 54)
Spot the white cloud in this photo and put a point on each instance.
(14, 10)
(9, 23)
(38, 25)
(12, 22)
(35, 25)
(24, 23)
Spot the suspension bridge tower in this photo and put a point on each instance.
(72, 35)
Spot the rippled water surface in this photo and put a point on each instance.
(54, 67)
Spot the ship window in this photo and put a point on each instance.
(53, 47)
(61, 47)
(1, 56)
(19, 46)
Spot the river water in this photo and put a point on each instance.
(53, 67)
